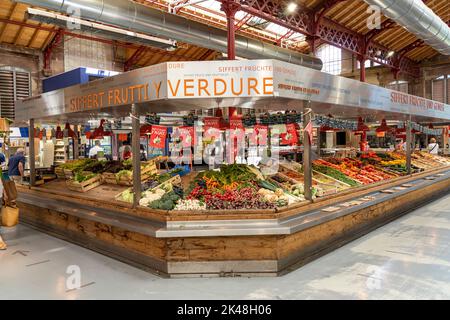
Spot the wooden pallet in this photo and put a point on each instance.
(85, 185)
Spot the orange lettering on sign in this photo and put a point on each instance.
(132, 93)
(72, 105)
(145, 91)
(252, 84)
(174, 93)
(268, 85)
(110, 97)
(203, 86)
(95, 101)
(89, 101)
(124, 95)
(116, 96)
(101, 94)
(241, 87)
(157, 86)
(188, 86)
(224, 89)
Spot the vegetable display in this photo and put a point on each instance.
(80, 177)
(244, 187)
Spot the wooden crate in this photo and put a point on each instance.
(175, 180)
(68, 173)
(147, 170)
(85, 185)
(60, 172)
(118, 197)
(338, 183)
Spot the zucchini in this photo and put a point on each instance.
(267, 185)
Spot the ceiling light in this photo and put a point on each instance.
(390, 54)
(291, 7)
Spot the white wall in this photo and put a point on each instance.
(85, 53)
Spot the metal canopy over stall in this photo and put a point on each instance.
(261, 84)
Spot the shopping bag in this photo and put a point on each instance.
(10, 216)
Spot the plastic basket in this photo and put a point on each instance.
(185, 170)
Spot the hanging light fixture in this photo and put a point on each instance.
(383, 127)
(100, 133)
(59, 133)
(70, 132)
(361, 126)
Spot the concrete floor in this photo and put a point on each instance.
(406, 259)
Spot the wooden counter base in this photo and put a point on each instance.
(213, 255)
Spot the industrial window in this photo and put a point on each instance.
(401, 86)
(15, 84)
(367, 64)
(331, 58)
(448, 88)
(437, 89)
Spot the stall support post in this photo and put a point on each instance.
(408, 147)
(230, 7)
(135, 124)
(318, 142)
(31, 135)
(307, 165)
(76, 148)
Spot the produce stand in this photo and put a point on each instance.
(322, 203)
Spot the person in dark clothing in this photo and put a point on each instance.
(142, 153)
(16, 165)
(2, 159)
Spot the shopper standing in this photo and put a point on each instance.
(143, 156)
(16, 166)
(125, 151)
(93, 152)
(433, 147)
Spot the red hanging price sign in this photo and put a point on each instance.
(187, 136)
(158, 137)
(259, 135)
(211, 122)
(290, 137)
(236, 123)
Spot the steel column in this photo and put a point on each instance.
(135, 141)
(230, 8)
(76, 152)
(31, 134)
(307, 165)
(408, 147)
(362, 69)
(319, 141)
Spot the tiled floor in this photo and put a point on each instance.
(406, 259)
